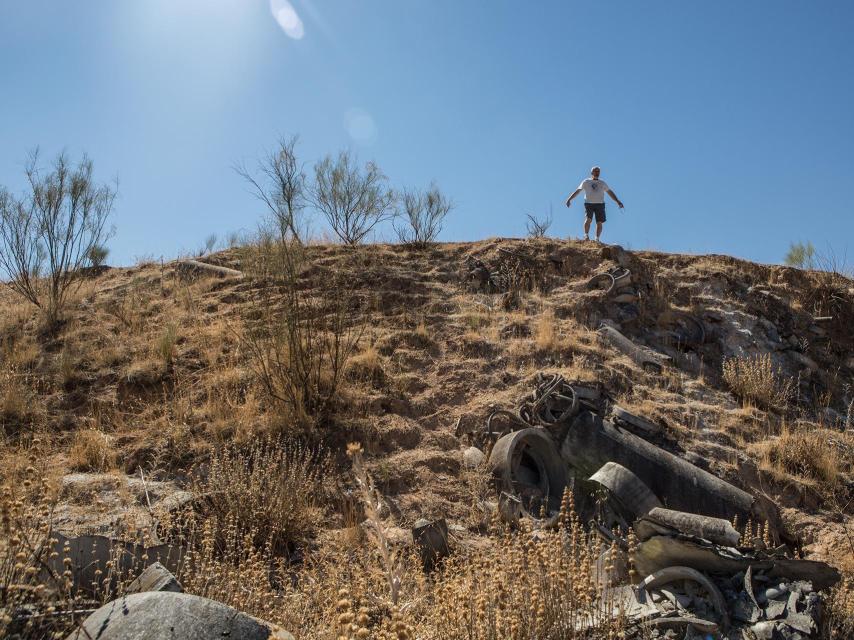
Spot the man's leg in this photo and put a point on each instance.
(600, 220)
(587, 222)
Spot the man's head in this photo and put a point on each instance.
(594, 172)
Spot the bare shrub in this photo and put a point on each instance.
(209, 244)
(272, 493)
(282, 187)
(47, 235)
(299, 342)
(24, 532)
(20, 410)
(801, 255)
(424, 213)
(539, 227)
(98, 255)
(524, 587)
(546, 336)
(353, 200)
(754, 380)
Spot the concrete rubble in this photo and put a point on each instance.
(699, 577)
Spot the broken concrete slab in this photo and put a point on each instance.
(716, 530)
(634, 422)
(591, 443)
(431, 538)
(662, 551)
(91, 553)
(156, 577)
(155, 615)
(775, 609)
(635, 498)
(647, 358)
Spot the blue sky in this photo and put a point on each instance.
(725, 127)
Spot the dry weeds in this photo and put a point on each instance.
(753, 379)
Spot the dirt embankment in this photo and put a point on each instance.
(151, 371)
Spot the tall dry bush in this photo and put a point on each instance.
(754, 380)
(281, 186)
(353, 199)
(47, 235)
(271, 494)
(299, 340)
(423, 214)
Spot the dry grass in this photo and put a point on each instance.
(270, 493)
(92, 450)
(546, 332)
(366, 366)
(521, 586)
(807, 454)
(753, 380)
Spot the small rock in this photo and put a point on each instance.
(743, 609)
(431, 538)
(775, 609)
(776, 593)
(473, 458)
(763, 630)
(800, 622)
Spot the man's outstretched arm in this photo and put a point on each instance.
(614, 196)
(569, 199)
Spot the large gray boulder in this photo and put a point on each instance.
(165, 615)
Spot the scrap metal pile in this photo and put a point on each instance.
(699, 577)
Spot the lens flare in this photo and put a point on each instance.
(288, 19)
(360, 125)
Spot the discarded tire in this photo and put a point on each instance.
(526, 465)
(611, 279)
(162, 614)
(687, 574)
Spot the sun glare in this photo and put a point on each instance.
(288, 19)
(360, 125)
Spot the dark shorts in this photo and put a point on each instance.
(595, 207)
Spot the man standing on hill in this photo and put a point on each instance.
(594, 201)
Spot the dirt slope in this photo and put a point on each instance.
(150, 371)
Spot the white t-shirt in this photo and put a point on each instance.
(594, 190)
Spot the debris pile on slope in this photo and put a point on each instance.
(701, 575)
